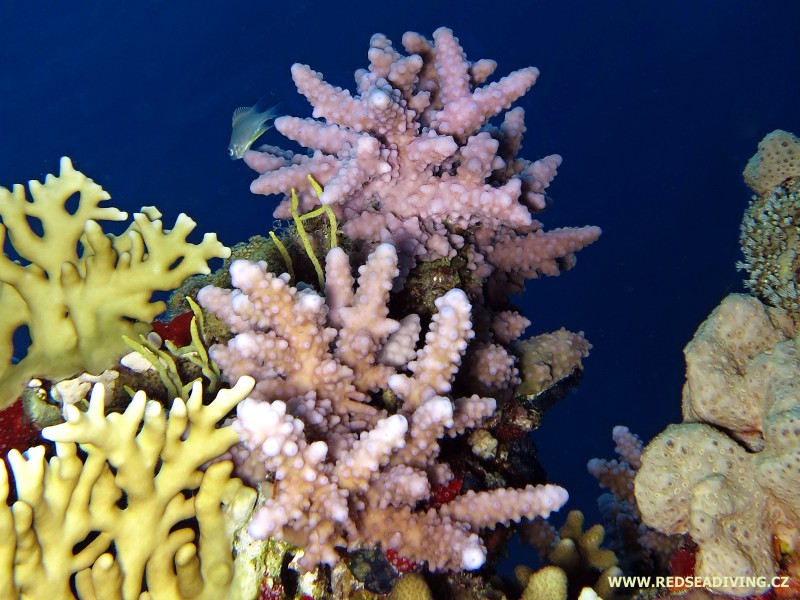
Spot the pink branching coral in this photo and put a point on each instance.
(411, 160)
(347, 473)
(638, 547)
(351, 409)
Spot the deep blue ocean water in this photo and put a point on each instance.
(655, 107)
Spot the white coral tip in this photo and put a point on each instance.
(472, 557)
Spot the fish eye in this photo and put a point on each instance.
(230, 151)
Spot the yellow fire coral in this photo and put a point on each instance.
(136, 511)
(77, 289)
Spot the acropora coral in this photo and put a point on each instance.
(384, 437)
(414, 174)
(412, 160)
(346, 472)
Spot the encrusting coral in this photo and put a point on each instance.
(698, 477)
(120, 517)
(78, 290)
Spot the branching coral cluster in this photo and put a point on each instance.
(351, 407)
(412, 160)
(346, 472)
(123, 504)
(78, 289)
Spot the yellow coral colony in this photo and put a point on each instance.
(78, 289)
(118, 517)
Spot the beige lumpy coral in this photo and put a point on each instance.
(733, 376)
(729, 475)
(548, 358)
(77, 289)
(777, 159)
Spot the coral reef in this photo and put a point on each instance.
(641, 550)
(777, 159)
(348, 421)
(347, 473)
(386, 461)
(79, 290)
(411, 160)
(728, 476)
(113, 509)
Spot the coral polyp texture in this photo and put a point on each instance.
(728, 475)
(77, 289)
(777, 159)
(412, 160)
(387, 402)
(770, 231)
(347, 473)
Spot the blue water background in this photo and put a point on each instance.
(655, 107)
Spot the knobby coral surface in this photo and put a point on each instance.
(728, 475)
(347, 472)
(411, 159)
(777, 159)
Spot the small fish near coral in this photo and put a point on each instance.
(249, 123)
(353, 410)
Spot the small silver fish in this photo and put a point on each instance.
(249, 122)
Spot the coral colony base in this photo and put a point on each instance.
(288, 431)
